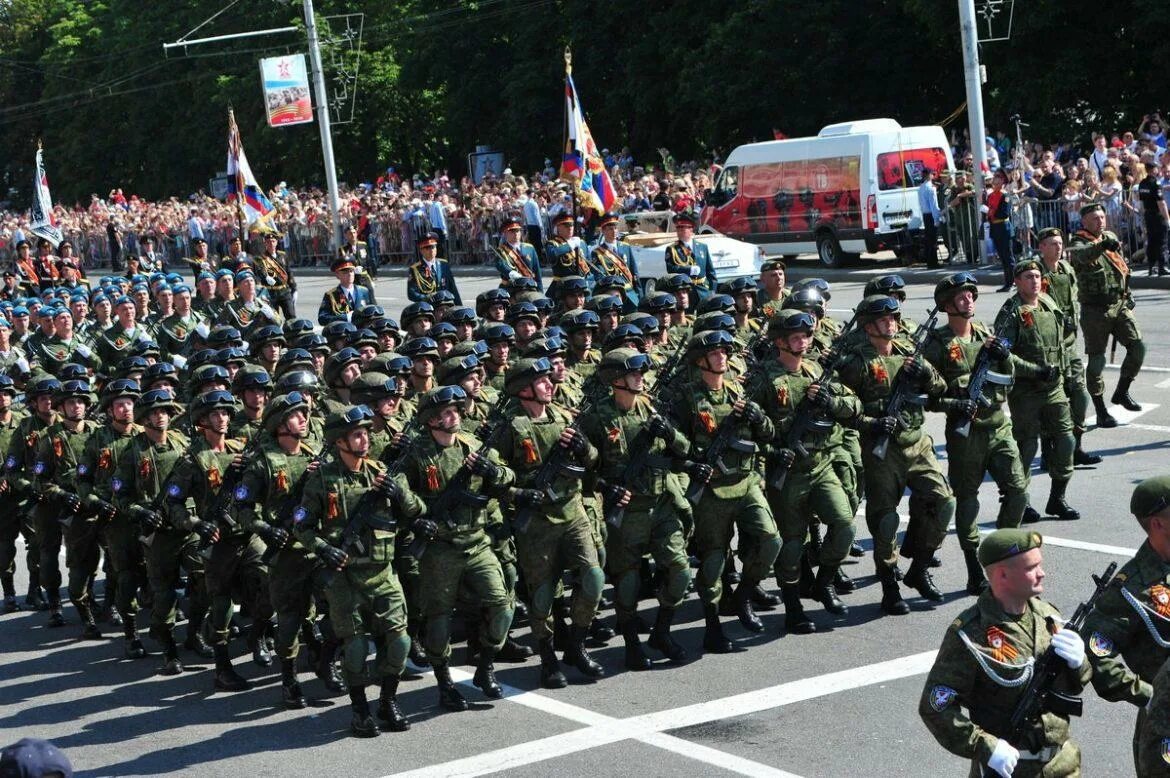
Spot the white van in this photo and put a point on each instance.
(850, 189)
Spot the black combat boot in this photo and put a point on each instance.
(513, 651)
(918, 577)
(764, 600)
(1031, 515)
(417, 656)
(171, 664)
(89, 627)
(449, 696)
(714, 641)
(388, 711)
(892, 602)
(816, 541)
(34, 599)
(326, 668)
(226, 678)
(195, 641)
(827, 591)
(259, 644)
(743, 607)
(855, 550)
(976, 580)
(56, 617)
(134, 647)
(808, 579)
(600, 631)
(362, 724)
(1121, 395)
(1056, 504)
(551, 676)
(578, 657)
(661, 640)
(1104, 419)
(636, 658)
(796, 621)
(290, 688)
(843, 583)
(560, 632)
(8, 584)
(1080, 456)
(485, 675)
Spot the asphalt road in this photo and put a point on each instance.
(842, 702)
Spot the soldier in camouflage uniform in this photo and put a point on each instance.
(986, 657)
(733, 499)
(174, 333)
(459, 542)
(1059, 282)
(10, 523)
(954, 349)
(811, 484)
(194, 504)
(559, 535)
(871, 370)
(1106, 309)
(353, 492)
(500, 339)
(1153, 741)
(581, 327)
(1034, 325)
(54, 480)
(651, 523)
(1128, 630)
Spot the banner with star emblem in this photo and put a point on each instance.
(286, 90)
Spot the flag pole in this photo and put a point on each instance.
(234, 130)
(572, 184)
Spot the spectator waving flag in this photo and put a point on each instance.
(582, 165)
(253, 208)
(43, 223)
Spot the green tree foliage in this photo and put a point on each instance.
(438, 77)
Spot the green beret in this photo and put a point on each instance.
(1029, 264)
(1006, 543)
(1049, 232)
(1090, 207)
(772, 264)
(1151, 496)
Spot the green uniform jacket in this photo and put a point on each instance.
(174, 333)
(1102, 276)
(195, 481)
(99, 462)
(699, 412)
(265, 486)
(613, 431)
(1036, 333)
(1061, 285)
(57, 455)
(966, 704)
(526, 443)
(954, 358)
(1128, 630)
(143, 469)
(873, 376)
(18, 462)
(785, 391)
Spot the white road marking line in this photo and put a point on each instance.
(1163, 384)
(1149, 427)
(1145, 368)
(1082, 545)
(1122, 415)
(651, 728)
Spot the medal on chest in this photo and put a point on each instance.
(614, 434)
(281, 481)
(331, 505)
(58, 448)
(1027, 317)
(214, 479)
(707, 419)
(530, 455)
(433, 478)
(1160, 600)
(877, 369)
(956, 352)
(146, 468)
(105, 459)
(1001, 649)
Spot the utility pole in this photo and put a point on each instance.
(323, 122)
(973, 73)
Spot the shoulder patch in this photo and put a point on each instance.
(241, 492)
(116, 485)
(174, 492)
(82, 469)
(10, 463)
(1101, 645)
(300, 514)
(941, 697)
(39, 468)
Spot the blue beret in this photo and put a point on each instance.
(244, 274)
(20, 310)
(174, 278)
(204, 274)
(222, 273)
(181, 289)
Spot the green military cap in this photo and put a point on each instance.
(1049, 232)
(1006, 543)
(1151, 496)
(772, 264)
(1024, 266)
(1090, 207)
(454, 369)
(342, 422)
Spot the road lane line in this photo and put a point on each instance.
(1122, 415)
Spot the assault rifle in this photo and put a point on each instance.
(1039, 696)
(900, 395)
(288, 505)
(981, 375)
(220, 509)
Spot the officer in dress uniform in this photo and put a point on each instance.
(690, 257)
(611, 257)
(516, 259)
(567, 253)
(430, 274)
(276, 277)
(343, 300)
(981, 670)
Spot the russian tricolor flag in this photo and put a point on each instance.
(581, 163)
(242, 186)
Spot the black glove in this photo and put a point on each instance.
(105, 510)
(485, 469)
(824, 398)
(964, 408)
(578, 444)
(698, 471)
(784, 458)
(70, 502)
(498, 532)
(827, 358)
(333, 556)
(425, 528)
(276, 537)
(998, 348)
(528, 498)
(1048, 373)
(659, 427)
(883, 425)
(1130, 303)
(916, 369)
(752, 414)
(483, 431)
(1110, 243)
(151, 520)
(205, 530)
(234, 471)
(390, 489)
(611, 493)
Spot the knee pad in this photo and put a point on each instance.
(353, 655)
(626, 587)
(711, 565)
(887, 525)
(1137, 350)
(498, 623)
(436, 633)
(542, 598)
(1096, 364)
(769, 547)
(397, 647)
(945, 511)
(591, 583)
(675, 585)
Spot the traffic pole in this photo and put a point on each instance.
(973, 75)
(323, 122)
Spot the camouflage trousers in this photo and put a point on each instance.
(546, 549)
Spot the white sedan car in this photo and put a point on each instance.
(731, 258)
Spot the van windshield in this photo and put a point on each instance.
(903, 169)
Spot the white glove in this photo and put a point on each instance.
(984, 209)
(1003, 758)
(694, 270)
(513, 275)
(1070, 647)
(575, 242)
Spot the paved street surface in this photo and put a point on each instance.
(842, 702)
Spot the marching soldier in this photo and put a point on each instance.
(514, 258)
(276, 277)
(567, 253)
(1106, 309)
(612, 257)
(236, 259)
(770, 289)
(871, 370)
(690, 257)
(430, 274)
(983, 666)
(1127, 631)
(459, 551)
(340, 302)
(246, 310)
(1059, 281)
(11, 523)
(1034, 325)
(123, 336)
(954, 349)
